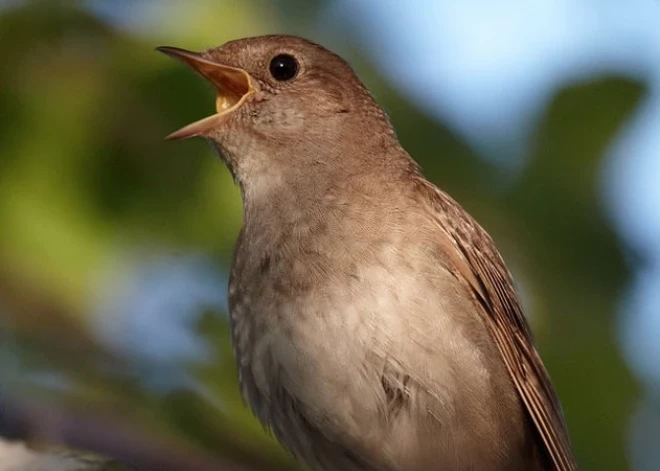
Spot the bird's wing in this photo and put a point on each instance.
(476, 259)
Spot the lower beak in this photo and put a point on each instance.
(233, 87)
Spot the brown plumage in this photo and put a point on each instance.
(375, 324)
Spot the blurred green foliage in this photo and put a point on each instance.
(85, 178)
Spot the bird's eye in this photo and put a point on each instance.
(283, 67)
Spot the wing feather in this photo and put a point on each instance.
(482, 268)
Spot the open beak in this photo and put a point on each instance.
(233, 87)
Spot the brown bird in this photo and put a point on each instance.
(374, 322)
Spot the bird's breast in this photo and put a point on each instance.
(327, 325)
(363, 333)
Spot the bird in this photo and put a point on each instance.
(374, 323)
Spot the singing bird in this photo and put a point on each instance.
(374, 323)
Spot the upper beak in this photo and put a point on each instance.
(233, 86)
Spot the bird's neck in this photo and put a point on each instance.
(289, 178)
(287, 196)
(286, 193)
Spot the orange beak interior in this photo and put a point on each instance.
(233, 86)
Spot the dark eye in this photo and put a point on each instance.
(283, 67)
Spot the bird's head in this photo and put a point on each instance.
(281, 95)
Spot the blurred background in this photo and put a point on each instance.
(541, 118)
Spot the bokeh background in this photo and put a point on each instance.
(541, 118)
